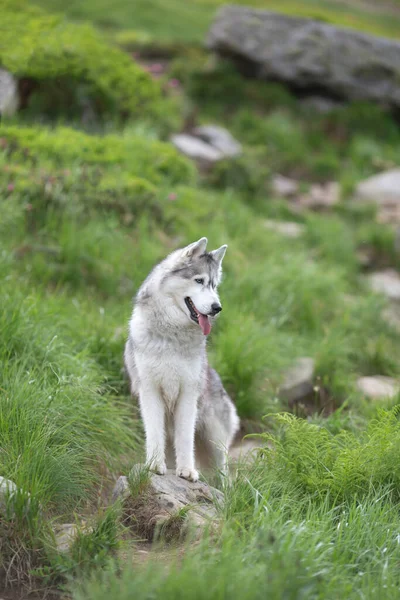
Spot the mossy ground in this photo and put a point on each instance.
(85, 216)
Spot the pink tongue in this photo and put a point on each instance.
(205, 324)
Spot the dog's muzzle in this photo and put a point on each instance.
(215, 309)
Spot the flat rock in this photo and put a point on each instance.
(308, 54)
(386, 282)
(378, 387)
(220, 139)
(167, 505)
(288, 229)
(284, 187)
(299, 381)
(9, 96)
(196, 149)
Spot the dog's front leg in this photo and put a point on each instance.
(185, 424)
(153, 414)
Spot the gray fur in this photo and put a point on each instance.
(166, 359)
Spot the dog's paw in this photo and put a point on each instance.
(185, 473)
(159, 468)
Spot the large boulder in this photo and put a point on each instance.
(309, 55)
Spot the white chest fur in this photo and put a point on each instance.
(172, 364)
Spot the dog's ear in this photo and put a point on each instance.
(219, 254)
(196, 248)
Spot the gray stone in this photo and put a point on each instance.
(245, 451)
(7, 490)
(308, 54)
(320, 104)
(220, 139)
(383, 190)
(65, 536)
(166, 501)
(378, 387)
(10, 495)
(319, 197)
(299, 381)
(391, 316)
(386, 282)
(196, 149)
(284, 187)
(121, 489)
(9, 97)
(288, 229)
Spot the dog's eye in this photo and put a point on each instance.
(200, 281)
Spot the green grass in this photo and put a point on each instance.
(179, 20)
(316, 517)
(84, 219)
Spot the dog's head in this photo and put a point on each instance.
(193, 282)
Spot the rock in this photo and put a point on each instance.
(7, 491)
(299, 381)
(245, 451)
(386, 282)
(167, 505)
(378, 387)
(9, 97)
(383, 190)
(65, 536)
(319, 197)
(289, 229)
(308, 54)
(320, 104)
(391, 315)
(196, 149)
(121, 489)
(284, 187)
(365, 257)
(220, 139)
(12, 496)
(207, 144)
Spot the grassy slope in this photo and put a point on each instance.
(181, 20)
(83, 220)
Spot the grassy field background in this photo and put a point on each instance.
(92, 196)
(189, 21)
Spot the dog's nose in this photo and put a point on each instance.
(215, 308)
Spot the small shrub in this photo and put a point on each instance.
(64, 147)
(342, 466)
(48, 49)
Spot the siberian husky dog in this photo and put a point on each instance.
(184, 407)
